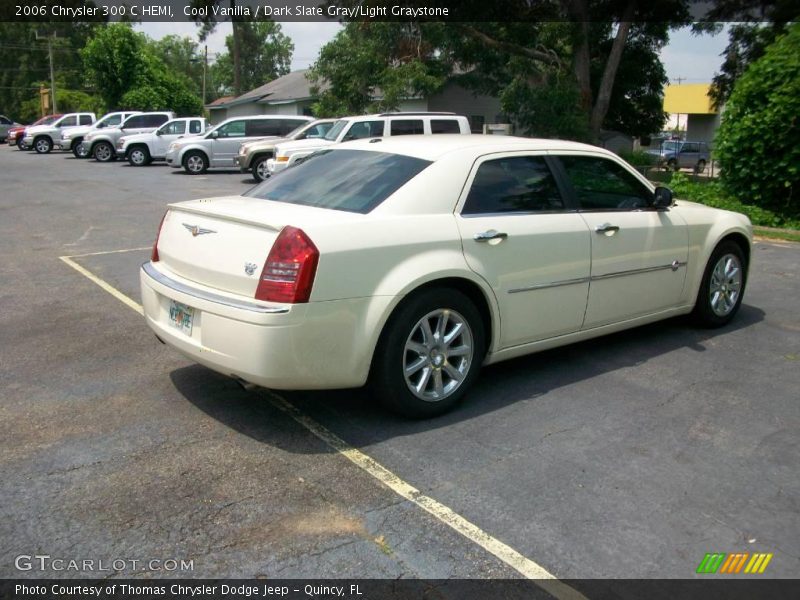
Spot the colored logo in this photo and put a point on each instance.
(734, 563)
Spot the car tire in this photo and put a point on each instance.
(417, 372)
(195, 163)
(723, 285)
(672, 165)
(79, 150)
(21, 145)
(42, 144)
(139, 156)
(700, 167)
(103, 152)
(259, 169)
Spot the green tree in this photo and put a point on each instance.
(757, 143)
(373, 66)
(181, 55)
(124, 67)
(266, 55)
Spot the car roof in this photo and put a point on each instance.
(433, 147)
(401, 115)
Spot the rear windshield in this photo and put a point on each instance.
(349, 180)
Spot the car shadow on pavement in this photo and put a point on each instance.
(363, 421)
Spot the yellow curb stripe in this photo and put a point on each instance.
(523, 565)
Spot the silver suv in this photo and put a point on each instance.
(43, 137)
(218, 147)
(102, 143)
(143, 148)
(72, 137)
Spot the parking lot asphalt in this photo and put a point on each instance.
(630, 456)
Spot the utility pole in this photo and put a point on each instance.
(205, 66)
(50, 39)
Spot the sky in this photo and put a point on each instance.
(693, 59)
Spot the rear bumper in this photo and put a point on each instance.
(281, 346)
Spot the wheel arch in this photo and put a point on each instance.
(728, 230)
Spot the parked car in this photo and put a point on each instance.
(17, 133)
(370, 126)
(42, 137)
(218, 147)
(143, 148)
(253, 156)
(5, 125)
(72, 137)
(101, 144)
(678, 154)
(410, 262)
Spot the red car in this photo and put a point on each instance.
(15, 134)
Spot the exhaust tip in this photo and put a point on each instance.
(245, 385)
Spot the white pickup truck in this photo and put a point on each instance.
(143, 148)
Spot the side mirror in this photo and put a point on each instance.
(662, 198)
(214, 135)
(159, 132)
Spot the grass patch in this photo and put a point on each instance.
(777, 234)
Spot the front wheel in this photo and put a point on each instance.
(429, 354)
(21, 144)
(722, 289)
(195, 163)
(139, 156)
(260, 171)
(104, 152)
(42, 145)
(79, 149)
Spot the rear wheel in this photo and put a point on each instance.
(260, 171)
(42, 145)
(195, 163)
(722, 289)
(429, 354)
(139, 156)
(79, 150)
(672, 165)
(701, 166)
(104, 152)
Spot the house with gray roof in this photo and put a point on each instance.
(291, 95)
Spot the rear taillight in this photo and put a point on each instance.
(289, 271)
(154, 253)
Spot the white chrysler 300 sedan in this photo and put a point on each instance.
(410, 262)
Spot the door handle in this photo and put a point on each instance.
(486, 236)
(606, 229)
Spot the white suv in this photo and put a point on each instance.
(218, 147)
(143, 148)
(366, 126)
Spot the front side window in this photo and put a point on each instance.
(349, 180)
(602, 184)
(364, 129)
(233, 129)
(317, 131)
(134, 122)
(334, 131)
(173, 128)
(110, 121)
(513, 184)
(86, 119)
(689, 147)
(68, 121)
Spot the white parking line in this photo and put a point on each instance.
(523, 565)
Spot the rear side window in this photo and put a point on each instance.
(155, 120)
(513, 184)
(349, 180)
(195, 127)
(602, 184)
(364, 129)
(264, 128)
(406, 127)
(86, 119)
(444, 126)
(289, 125)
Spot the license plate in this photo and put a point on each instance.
(181, 316)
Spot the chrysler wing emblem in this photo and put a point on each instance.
(195, 230)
